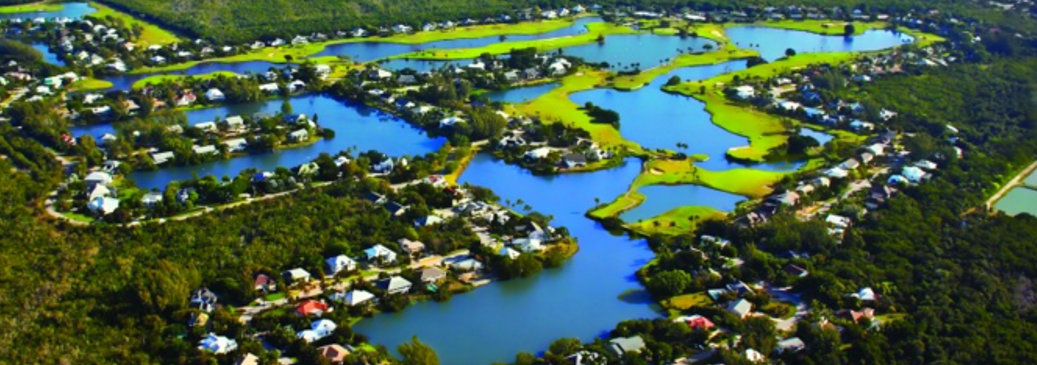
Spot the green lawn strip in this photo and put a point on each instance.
(634, 82)
(90, 84)
(26, 8)
(158, 79)
(594, 30)
(741, 181)
(686, 301)
(625, 202)
(151, 33)
(78, 217)
(680, 220)
(556, 107)
(779, 309)
(922, 39)
(274, 296)
(825, 27)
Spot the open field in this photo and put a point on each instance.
(826, 27)
(90, 84)
(24, 8)
(151, 34)
(594, 30)
(633, 82)
(158, 79)
(677, 221)
(741, 181)
(623, 203)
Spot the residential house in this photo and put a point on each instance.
(740, 308)
(697, 322)
(318, 329)
(299, 135)
(427, 221)
(796, 271)
(790, 345)
(205, 150)
(449, 122)
(217, 344)
(150, 200)
(856, 316)
(235, 122)
(865, 294)
(622, 345)
(432, 274)
(353, 297)
(337, 264)
(464, 264)
(509, 252)
(248, 359)
(914, 174)
(98, 191)
(745, 92)
(264, 283)
(214, 94)
(207, 126)
(296, 276)
(527, 244)
(395, 285)
(103, 206)
(162, 157)
(406, 80)
(335, 353)
(851, 164)
(413, 248)
(312, 308)
(574, 160)
(98, 177)
(380, 255)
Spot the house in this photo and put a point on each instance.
(790, 345)
(296, 276)
(103, 206)
(235, 122)
(270, 88)
(203, 299)
(697, 322)
(856, 316)
(248, 359)
(914, 174)
(312, 308)
(538, 153)
(411, 247)
(264, 283)
(788, 198)
(158, 59)
(152, 199)
(621, 345)
(850, 164)
(796, 271)
(214, 94)
(380, 254)
(754, 356)
(432, 274)
(559, 66)
(299, 40)
(98, 191)
(207, 126)
(527, 244)
(574, 160)
(98, 177)
(358, 32)
(400, 28)
(464, 263)
(449, 122)
(859, 126)
(838, 221)
(740, 308)
(162, 157)
(837, 173)
(395, 285)
(745, 92)
(187, 99)
(429, 220)
(396, 209)
(353, 297)
(926, 164)
(509, 252)
(337, 264)
(318, 329)
(205, 150)
(379, 74)
(335, 353)
(865, 294)
(217, 344)
(299, 135)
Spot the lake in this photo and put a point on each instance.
(821, 137)
(624, 51)
(772, 42)
(73, 10)
(581, 299)
(1031, 180)
(521, 94)
(1019, 200)
(660, 199)
(125, 81)
(355, 125)
(372, 49)
(48, 56)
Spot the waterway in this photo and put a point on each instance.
(73, 10)
(355, 126)
(643, 51)
(581, 299)
(48, 56)
(660, 199)
(772, 42)
(1021, 199)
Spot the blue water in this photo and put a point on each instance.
(74, 10)
(772, 42)
(48, 56)
(660, 199)
(627, 51)
(373, 50)
(125, 81)
(521, 94)
(580, 299)
(355, 125)
(821, 137)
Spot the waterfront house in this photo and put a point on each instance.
(296, 276)
(574, 160)
(914, 174)
(150, 200)
(850, 164)
(98, 191)
(745, 92)
(622, 345)
(395, 285)
(697, 322)
(214, 94)
(248, 359)
(103, 206)
(790, 345)
(300, 135)
(527, 244)
(264, 283)
(204, 150)
(318, 329)
(337, 264)
(432, 274)
(796, 271)
(98, 177)
(207, 127)
(353, 297)
(464, 264)
(380, 255)
(509, 252)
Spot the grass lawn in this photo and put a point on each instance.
(25, 8)
(742, 181)
(779, 309)
(555, 107)
(633, 82)
(158, 79)
(79, 217)
(274, 296)
(922, 39)
(826, 27)
(677, 221)
(622, 203)
(593, 31)
(686, 301)
(151, 34)
(90, 84)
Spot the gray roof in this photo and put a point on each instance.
(623, 345)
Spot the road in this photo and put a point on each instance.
(250, 311)
(1016, 181)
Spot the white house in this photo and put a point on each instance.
(318, 329)
(379, 253)
(745, 92)
(353, 297)
(509, 252)
(162, 157)
(296, 276)
(151, 199)
(299, 135)
(234, 122)
(98, 177)
(538, 153)
(217, 344)
(270, 88)
(527, 244)
(214, 94)
(395, 285)
(236, 144)
(103, 205)
(204, 150)
(207, 126)
(337, 264)
(449, 122)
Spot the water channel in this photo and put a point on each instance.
(72, 10)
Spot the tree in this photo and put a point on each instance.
(669, 283)
(286, 107)
(417, 353)
(790, 52)
(849, 29)
(673, 81)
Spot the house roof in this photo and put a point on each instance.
(740, 307)
(311, 307)
(394, 283)
(411, 246)
(432, 274)
(333, 352)
(354, 297)
(622, 345)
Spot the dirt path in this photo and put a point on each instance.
(1016, 181)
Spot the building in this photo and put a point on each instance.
(312, 308)
(353, 297)
(432, 274)
(335, 353)
(296, 276)
(379, 254)
(103, 206)
(621, 345)
(411, 247)
(740, 308)
(395, 285)
(217, 344)
(214, 95)
(336, 264)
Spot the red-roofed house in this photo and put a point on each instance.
(335, 353)
(311, 307)
(697, 322)
(265, 283)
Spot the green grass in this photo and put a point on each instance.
(78, 217)
(678, 221)
(274, 296)
(779, 309)
(158, 79)
(922, 39)
(826, 27)
(25, 8)
(622, 203)
(593, 31)
(633, 82)
(741, 181)
(686, 301)
(151, 33)
(90, 84)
